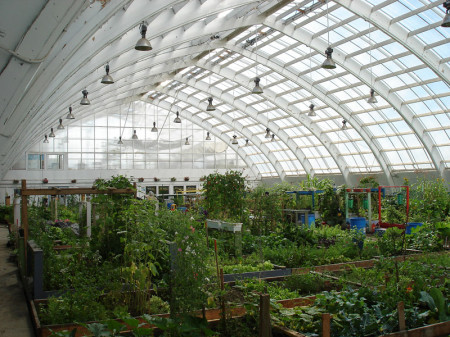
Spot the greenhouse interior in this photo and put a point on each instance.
(226, 168)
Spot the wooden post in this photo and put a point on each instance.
(217, 261)
(326, 331)
(265, 329)
(207, 236)
(401, 315)
(24, 217)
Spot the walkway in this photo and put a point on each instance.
(14, 317)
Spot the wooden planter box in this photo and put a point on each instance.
(212, 315)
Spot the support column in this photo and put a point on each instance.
(88, 216)
(17, 221)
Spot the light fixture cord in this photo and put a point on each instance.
(126, 117)
(328, 25)
(370, 58)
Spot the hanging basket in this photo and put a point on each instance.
(141, 180)
(366, 203)
(186, 178)
(350, 203)
(73, 181)
(45, 181)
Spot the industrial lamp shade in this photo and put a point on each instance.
(70, 114)
(273, 137)
(177, 119)
(45, 139)
(311, 112)
(329, 63)
(52, 134)
(84, 100)
(120, 141)
(257, 89)
(143, 44)
(107, 79)
(154, 128)
(344, 125)
(60, 126)
(210, 106)
(246, 142)
(267, 133)
(234, 141)
(208, 137)
(187, 141)
(372, 99)
(446, 21)
(134, 136)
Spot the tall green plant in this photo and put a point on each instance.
(224, 195)
(429, 200)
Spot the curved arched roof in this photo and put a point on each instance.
(216, 48)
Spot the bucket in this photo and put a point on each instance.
(311, 219)
(359, 224)
(410, 225)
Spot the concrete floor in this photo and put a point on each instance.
(14, 316)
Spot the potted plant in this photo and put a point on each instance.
(173, 179)
(155, 179)
(45, 181)
(73, 181)
(186, 178)
(15, 181)
(141, 180)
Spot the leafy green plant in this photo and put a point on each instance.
(429, 200)
(391, 243)
(224, 195)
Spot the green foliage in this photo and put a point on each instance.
(331, 204)
(305, 284)
(391, 243)
(391, 211)
(181, 326)
(430, 200)
(224, 195)
(368, 182)
(7, 213)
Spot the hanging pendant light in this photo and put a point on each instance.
(267, 133)
(70, 115)
(45, 139)
(154, 128)
(234, 141)
(134, 136)
(177, 119)
(311, 112)
(446, 21)
(60, 126)
(52, 134)
(84, 100)
(329, 63)
(257, 89)
(273, 137)
(143, 44)
(187, 141)
(344, 125)
(210, 106)
(107, 79)
(120, 141)
(372, 99)
(208, 137)
(246, 142)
